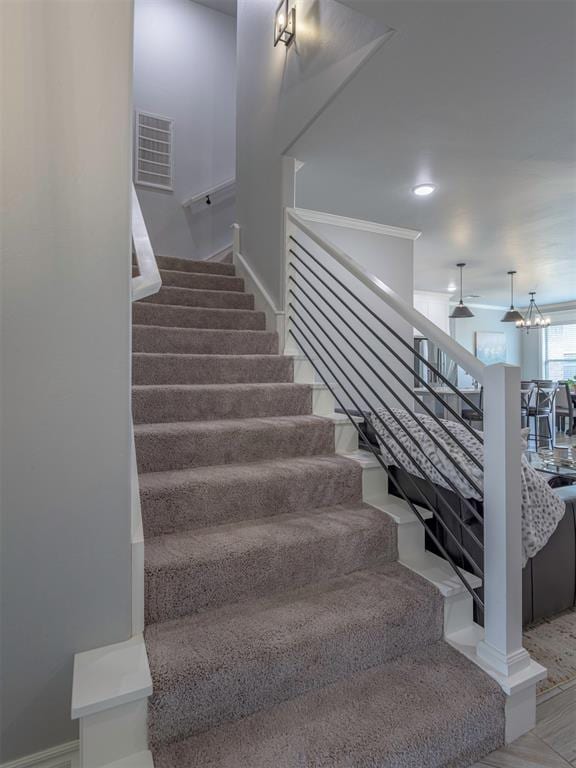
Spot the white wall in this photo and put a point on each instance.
(280, 92)
(185, 68)
(464, 332)
(64, 353)
(391, 259)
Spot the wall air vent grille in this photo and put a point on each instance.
(154, 142)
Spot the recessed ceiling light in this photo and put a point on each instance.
(423, 190)
(452, 287)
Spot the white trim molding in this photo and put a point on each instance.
(366, 226)
(110, 693)
(62, 756)
(262, 299)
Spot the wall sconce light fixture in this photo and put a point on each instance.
(284, 24)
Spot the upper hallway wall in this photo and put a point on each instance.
(185, 69)
(280, 92)
(65, 353)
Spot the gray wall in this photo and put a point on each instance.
(280, 92)
(64, 353)
(464, 332)
(390, 259)
(185, 68)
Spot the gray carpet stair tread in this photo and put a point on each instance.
(208, 496)
(149, 338)
(149, 313)
(430, 708)
(194, 297)
(181, 445)
(191, 265)
(191, 571)
(153, 404)
(179, 368)
(225, 664)
(201, 281)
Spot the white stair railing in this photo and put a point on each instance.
(500, 646)
(148, 281)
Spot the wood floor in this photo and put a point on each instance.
(552, 744)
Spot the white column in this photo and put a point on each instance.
(502, 644)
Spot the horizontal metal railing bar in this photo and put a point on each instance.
(403, 448)
(415, 418)
(396, 335)
(391, 477)
(405, 386)
(396, 357)
(390, 349)
(470, 363)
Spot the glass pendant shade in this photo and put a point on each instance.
(461, 310)
(512, 315)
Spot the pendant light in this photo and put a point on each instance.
(512, 316)
(461, 310)
(533, 319)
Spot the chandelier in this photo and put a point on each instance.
(533, 317)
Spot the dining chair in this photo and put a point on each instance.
(564, 409)
(527, 389)
(542, 410)
(470, 414)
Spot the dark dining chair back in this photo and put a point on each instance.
(564, 408)
(541, 410)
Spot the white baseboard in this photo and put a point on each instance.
(63, 756)
(262, 299)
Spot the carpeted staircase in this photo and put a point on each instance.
(281, 632)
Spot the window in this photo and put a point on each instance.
(560, 352)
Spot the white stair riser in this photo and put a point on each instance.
(113, 734)
(520, 713)
(322, 401)
(345, 437)
(303, 371)
(374, 485)
(458, 612)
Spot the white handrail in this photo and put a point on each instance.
(455, 351)
(149, 280)
(216, 191)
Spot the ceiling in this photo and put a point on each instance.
(224, 6)
(479, 97)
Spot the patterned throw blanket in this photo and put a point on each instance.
(542, 509)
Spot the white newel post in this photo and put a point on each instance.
(502, 644)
